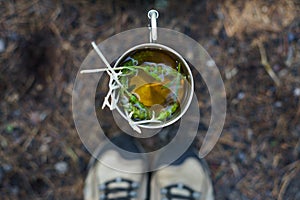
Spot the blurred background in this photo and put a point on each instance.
(255, 44)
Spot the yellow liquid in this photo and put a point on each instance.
(152, 93)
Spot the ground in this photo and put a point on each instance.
(255, 44)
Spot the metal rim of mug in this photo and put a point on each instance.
(191, 82)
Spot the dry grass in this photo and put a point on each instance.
(254, 17)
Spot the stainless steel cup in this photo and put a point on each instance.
(188, 94)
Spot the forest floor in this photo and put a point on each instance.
(255, 44)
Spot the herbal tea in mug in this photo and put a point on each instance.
(150, 85)
(157, 85)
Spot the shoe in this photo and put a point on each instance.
(106, 183)
(186, 178)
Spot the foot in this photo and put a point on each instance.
(106, 183)
(186, 178)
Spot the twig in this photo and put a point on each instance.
(89, 71)
(287, 178)
(34, 132)
(114, 75)
(266, 64)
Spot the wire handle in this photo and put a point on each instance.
(153, 15)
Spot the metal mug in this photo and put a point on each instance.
(188, 95)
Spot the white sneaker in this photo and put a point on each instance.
(105, 183)
(186, 178)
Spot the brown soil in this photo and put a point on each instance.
(256, 45)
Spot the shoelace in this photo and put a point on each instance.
(190, 194)
(128, 192)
